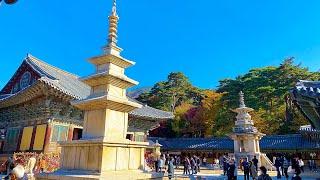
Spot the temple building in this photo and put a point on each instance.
(307, 97)
(36, 113)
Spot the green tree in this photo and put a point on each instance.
(168, 95)
(267, 90)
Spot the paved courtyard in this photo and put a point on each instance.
(216, 174)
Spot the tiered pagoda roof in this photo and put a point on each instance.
(66, 84)
(306, 95)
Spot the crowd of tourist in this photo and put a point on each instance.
(296, 164)
(192, 164)
(17, 166)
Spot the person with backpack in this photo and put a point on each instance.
(264, 175)
(246, 168)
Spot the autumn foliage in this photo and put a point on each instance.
(204, 112)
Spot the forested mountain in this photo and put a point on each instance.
(200, 112)
(135, 93)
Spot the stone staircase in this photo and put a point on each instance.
(265, 161)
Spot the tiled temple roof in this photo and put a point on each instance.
(306, 95)
(309, 88)
(71, 85)
(219, 143)
(61, 80)
(289, 141)
(147, 111)
(272, 142)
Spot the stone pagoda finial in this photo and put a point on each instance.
(113, 29)
(241, 99)
(114, 8)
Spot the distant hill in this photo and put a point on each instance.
(135, 93)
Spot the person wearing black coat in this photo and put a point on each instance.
(225, 166)
(231, 170)
(255, 162)
(277, 164)
(246, 169)
(296, 175)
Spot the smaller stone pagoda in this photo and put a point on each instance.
(246, 137)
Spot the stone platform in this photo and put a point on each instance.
(87, 175)
(99, 159)
(101, 156)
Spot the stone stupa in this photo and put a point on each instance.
(246, 137)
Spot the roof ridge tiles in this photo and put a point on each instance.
(35, 59)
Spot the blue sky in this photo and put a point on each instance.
(208, 40)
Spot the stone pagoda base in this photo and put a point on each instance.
(98, 159)
(87, 175)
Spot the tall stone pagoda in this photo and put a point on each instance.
(246, 137)
(104, 152)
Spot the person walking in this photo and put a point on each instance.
(171, 168)
(281, 162)
(277, 164)
(198, 161)
(301, 164)
(156, 164)
(253, 171)
(255, 162)
(246, 168)
(193, 165)
(295, 163)
(264, 175)
(285, 165)
(296, 175)
(186, 166)
(225, 166)
(161, 164)
(176, 161)
(231, 170)
(9, 165)
(204, 161)
(310, 164)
